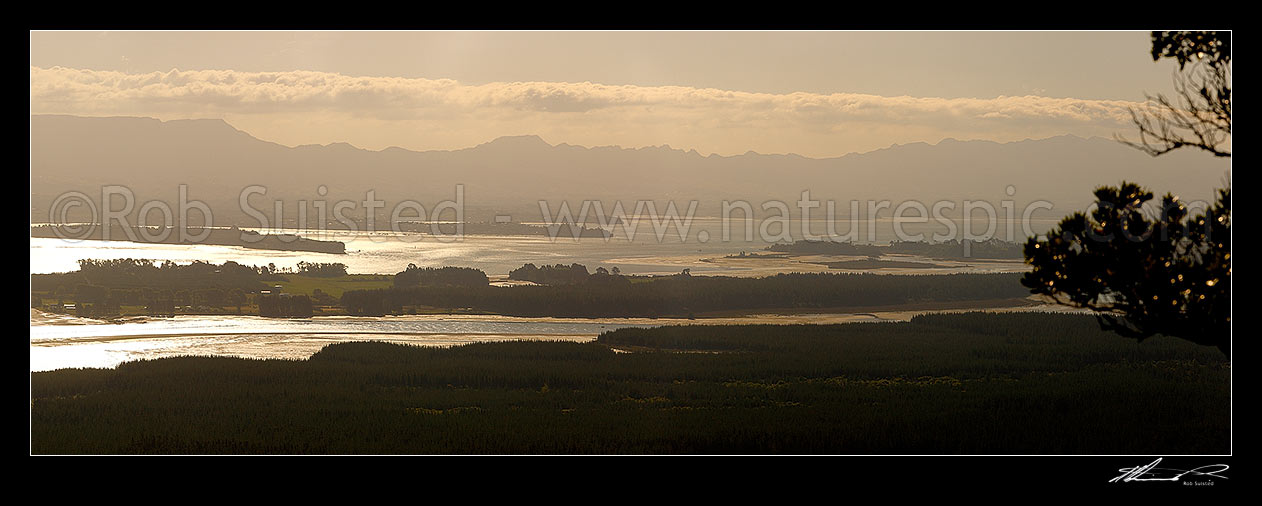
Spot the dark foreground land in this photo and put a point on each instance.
(1017, 383)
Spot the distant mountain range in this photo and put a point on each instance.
(217, 161)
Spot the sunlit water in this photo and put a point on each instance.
(61, 342)
(388, 253)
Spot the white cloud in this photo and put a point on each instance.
(813, 124)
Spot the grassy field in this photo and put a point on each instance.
(1015, 383)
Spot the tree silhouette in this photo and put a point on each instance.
(1143, 275)
(1200, 115)
(1149, 270)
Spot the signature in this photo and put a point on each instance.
(1151, 472)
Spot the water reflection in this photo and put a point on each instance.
(495, 255)
(61, 342)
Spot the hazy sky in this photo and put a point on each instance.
(812, 93)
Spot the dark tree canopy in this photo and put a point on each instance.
(440, 276)
(1144, 271)
(1150, 270)
(322, 270)
(1187, 47)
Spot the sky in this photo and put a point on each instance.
(813, 93)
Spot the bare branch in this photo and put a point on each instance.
(1199, 117)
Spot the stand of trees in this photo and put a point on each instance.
(322, 270)
(821, 247)
(100, 287)
(103, 286)
(440, 276)
(684, 295)
(285, 306)
(558, 274)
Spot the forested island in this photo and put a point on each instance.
(993, 249)
(106, 288)
(123, 287)
(214, 236)
(573, 292)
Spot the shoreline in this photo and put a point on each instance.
(105, 339)
(1001, 303)
(231, 237)
(108, 351)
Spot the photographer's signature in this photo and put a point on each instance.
(1151, 472)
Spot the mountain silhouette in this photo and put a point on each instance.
(217, 161)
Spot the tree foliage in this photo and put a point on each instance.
(1147, 270)
(559, 274)
(322, 270)
(1199, 116)
(1144, 271)
(607, 295)
(440, 276)
(285, 306)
